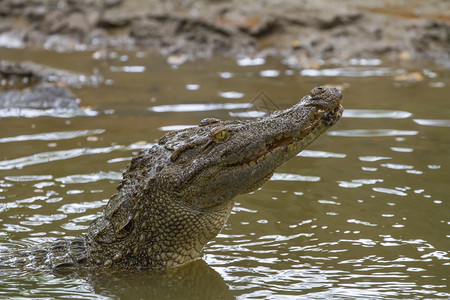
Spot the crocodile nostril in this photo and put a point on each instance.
(317, 91)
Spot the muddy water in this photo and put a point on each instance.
(363, 213)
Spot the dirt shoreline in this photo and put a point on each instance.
(301, 33)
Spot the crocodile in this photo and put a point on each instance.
(177, 195)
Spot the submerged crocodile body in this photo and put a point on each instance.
(177, 195)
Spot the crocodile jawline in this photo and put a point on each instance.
(278, 142)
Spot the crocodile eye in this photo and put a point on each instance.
(221, 136)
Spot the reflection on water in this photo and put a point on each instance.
(350, 72)
(322, 154)
(363, 213)
(194, 281)
(439, 123)
(51, 112)
(376, 114)
(199, 107)
(52, 136)
(372, 132)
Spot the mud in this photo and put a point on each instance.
(301, 33)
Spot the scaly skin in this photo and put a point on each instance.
(177, 195)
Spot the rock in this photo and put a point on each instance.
(37, 72)
(42, 96)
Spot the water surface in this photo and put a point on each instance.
(363, 213)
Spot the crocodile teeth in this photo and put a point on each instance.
(264, 156)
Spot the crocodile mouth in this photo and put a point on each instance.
(279, 142)
(291, 140)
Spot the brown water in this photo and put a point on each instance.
(363, 213)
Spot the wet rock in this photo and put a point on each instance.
(112, 3)
(42, 96)
(331, 21)
(109, 21)
(430, 36)
(35, 13)
(193, 37)
(76, 24)
(266, 26)
(27, 85)
(148, 29)
(33, 72)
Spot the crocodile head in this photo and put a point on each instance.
(177, 195)
(218, 160)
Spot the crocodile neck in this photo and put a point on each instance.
(166, 232)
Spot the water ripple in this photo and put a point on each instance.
(269, 73)
(128, 69)
(6, 206)
(32, 199)
(321, 154)
(376, 114)
(52, 136)
(226, 75)
(15, 228)
(397, 166)
(231, 95)
(365, 61)
(438, 123)
(349, 72)
(38, 220)
(389, 191)
(248, 114)
(294, 177)
(52, 112)
(402, 149)
(85, 178)
(175, 127)
(80, 207)
(198, 107)
(25, 178)
(248, 61)
(46, 157)
(373, 158)
(328, 202)
(192, 86)
(358, 182)
(361, 222)
(372, 132)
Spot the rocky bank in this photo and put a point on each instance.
(301, 32)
